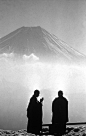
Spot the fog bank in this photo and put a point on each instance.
(18, 80)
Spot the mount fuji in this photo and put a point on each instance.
(35, 43)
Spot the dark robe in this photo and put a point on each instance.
(34, 115)
(60, 114)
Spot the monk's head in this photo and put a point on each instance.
(60, 93)
(36, 93)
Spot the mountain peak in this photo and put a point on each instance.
(36, 40)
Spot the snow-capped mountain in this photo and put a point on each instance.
(37, 42)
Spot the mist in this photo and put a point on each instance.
(19, 79)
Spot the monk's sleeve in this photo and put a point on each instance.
(67, 112)
(53, 106)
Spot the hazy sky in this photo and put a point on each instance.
(64, 18)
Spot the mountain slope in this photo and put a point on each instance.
(37, 41)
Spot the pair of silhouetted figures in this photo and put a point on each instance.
(59, 114)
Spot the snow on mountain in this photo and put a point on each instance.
(36, 41)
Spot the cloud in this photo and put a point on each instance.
(6, 55)
(31, 57)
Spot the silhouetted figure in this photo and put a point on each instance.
(34, 114)
(59, 114)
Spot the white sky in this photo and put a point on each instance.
(64, 18)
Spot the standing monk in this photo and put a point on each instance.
(34, 114)
(59, 114)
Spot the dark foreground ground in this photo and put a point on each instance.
(71, 131)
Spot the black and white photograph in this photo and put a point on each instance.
(43, 67)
